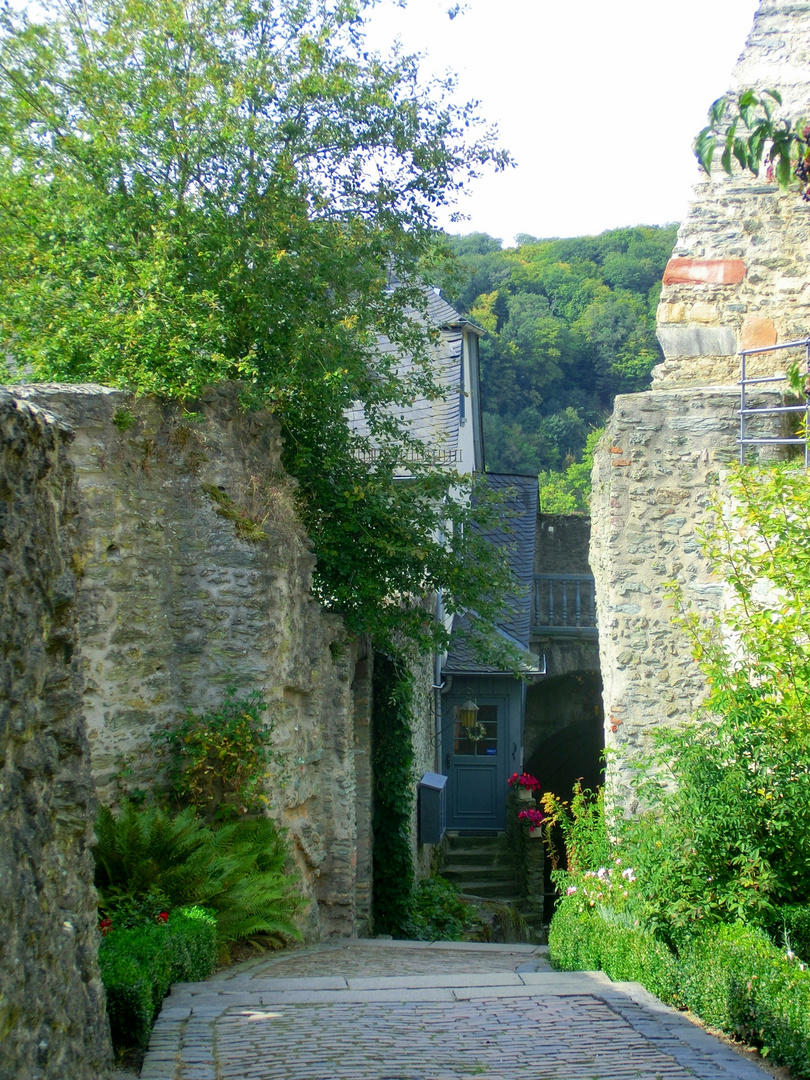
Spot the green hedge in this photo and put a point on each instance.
(138, 966)
(591, 941)
(734, 977)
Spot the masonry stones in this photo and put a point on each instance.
(194, 574)
(739, 279)
(52, 1018)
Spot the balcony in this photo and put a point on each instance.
(563, 605)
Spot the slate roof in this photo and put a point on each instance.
(434, 423)
(513, 626)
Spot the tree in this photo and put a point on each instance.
(194, 191)
(570, 323)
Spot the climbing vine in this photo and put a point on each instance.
(392, 763)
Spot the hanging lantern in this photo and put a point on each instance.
(467, 713)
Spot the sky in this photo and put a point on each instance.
(598, 101)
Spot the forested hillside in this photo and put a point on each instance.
(571, 323)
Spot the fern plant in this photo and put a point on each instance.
(238, 871)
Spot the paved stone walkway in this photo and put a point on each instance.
(383, 1010)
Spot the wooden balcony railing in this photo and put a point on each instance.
(564, 604)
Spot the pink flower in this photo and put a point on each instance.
(534, 818)
(570, 890)
(525, 780)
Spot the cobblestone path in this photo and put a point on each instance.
(382, 1010)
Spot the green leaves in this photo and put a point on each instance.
(779, 144)
(570, 323)
(225, 190)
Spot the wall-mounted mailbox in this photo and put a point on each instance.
(432, 805)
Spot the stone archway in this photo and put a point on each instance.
(563, 735)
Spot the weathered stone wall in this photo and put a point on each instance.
(177, 603)
(659, 463)
(739, 277)
(52, 1019)
(424, 751)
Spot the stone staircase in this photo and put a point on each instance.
(481, 866)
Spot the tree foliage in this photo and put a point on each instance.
(571, 323)
(746, 130)
(194, 191)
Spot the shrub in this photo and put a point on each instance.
(600, 939)
(735, 978)
(789, 926)
(729, 834)
(219, 761)
(732, 976)
(139, 964)
(582, 823)
(237, 869)
(437, 912)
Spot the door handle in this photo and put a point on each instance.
(447, 762)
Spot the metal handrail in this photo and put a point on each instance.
(747, 410)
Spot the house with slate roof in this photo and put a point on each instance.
(449, 428)
(477, 759)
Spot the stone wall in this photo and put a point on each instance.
(653, 478)
(739, 273)
(662, 460)
(739, 279)
(194, 576)
(52, 1019)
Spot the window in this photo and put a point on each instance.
(487, 745)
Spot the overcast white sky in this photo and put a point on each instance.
(626, 82)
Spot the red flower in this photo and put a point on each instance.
(533, 817)
(163, 916)
(105, 926)
(525, 780)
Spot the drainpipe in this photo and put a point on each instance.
(440, 687)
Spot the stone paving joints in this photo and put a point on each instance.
(458, 1011)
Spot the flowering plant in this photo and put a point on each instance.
(609, 886)
(533, 817)
(524, 780)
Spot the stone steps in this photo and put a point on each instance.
(481, 866)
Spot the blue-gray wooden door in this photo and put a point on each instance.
(477, 769)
